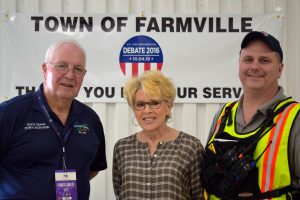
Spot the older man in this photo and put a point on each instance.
(51, 145)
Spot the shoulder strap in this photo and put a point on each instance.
(226, 114)
(267, 124)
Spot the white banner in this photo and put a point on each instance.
(198, 52)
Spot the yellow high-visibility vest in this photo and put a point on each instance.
(273, 165)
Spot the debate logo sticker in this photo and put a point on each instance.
(139, 54)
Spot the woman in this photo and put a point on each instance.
(159, 162)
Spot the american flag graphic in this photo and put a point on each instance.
(139, 54)
(136, 69)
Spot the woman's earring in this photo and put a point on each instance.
(169, 118)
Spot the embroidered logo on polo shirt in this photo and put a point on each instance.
(81, 128)
(35, 126)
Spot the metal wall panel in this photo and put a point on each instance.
(292, 48)
(192, 118)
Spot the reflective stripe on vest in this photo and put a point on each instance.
(273, 166)
(274, 162)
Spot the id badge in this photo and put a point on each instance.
(66, 185)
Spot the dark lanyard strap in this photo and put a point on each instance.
(63, 140)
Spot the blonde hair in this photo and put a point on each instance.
(154, 84)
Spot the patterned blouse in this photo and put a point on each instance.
(172, 173)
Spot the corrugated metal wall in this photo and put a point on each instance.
(191, 118)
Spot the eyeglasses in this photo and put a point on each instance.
(64, 68)
(153, 104)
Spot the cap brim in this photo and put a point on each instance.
(272, 42)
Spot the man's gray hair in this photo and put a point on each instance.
(57, 44)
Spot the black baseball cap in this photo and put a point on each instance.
(271, 41)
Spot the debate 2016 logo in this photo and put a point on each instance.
(139, 54)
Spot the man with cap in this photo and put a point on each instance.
(253, 149)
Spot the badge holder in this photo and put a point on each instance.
(65, 182)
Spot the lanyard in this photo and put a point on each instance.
(63, 140)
